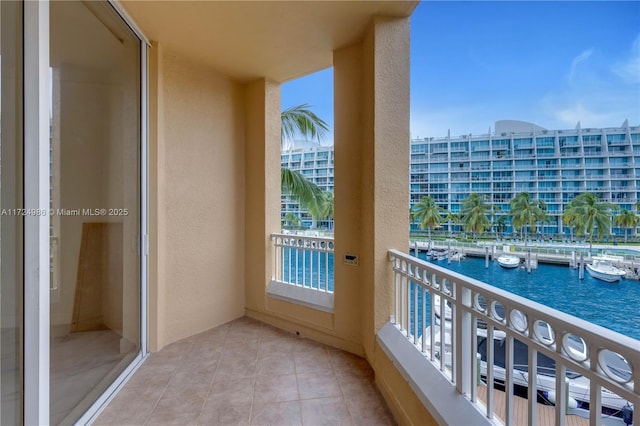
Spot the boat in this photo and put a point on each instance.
(613, 406)
(602, 269)
(457, 256)
(610, 257)
(508, 261)
(437, 254)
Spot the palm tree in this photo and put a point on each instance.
(452, 218)
(300, 120)
(474, 214)
(427, 213)
(545, 217)
(626, 219)
(526, 212)
(291, 219)
(326, 211)
(569, 218)
(501, 223)
(589, 214)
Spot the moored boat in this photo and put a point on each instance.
(603, 270)
(437, 254)
(508, 261)
(578, 393)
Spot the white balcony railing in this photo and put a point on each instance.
(304, 261)
(597, 368)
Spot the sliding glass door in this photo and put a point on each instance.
(95, 203)
(71, 204)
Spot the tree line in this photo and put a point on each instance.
(586, 215)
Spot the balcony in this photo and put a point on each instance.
(481, 310)
(247, 372)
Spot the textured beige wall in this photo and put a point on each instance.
(348, 148)
(391, 154)
(385, 164)
(262, 196)
(200, 199)
(157, 258)
(403, 402)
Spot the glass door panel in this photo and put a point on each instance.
(95, 203)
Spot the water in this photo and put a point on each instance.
(309, 265)
(613, 306)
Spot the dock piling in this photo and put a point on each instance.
(486, 257)
(581, 272)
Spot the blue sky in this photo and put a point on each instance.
(550, 63)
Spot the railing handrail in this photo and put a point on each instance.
(568, 322)
(277, 237)
(463, 293)
(293, 266)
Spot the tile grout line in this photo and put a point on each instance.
(206, 397)
(146, 420)
(295, 370)
(255, 375)
(344, 399)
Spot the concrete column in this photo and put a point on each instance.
(262, 187)
(348, 192)
(385, 166)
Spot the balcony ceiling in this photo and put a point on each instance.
(279, 40)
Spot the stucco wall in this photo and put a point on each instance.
(348, 146)
(199, 197)
(403, 402)
(262, 162)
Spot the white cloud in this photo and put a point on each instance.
(593, 108)
(629, 69)
(570, 115)
(576, 61)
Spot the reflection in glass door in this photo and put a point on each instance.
(95, 201)
(11, 222)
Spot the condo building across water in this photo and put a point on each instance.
(552, 165)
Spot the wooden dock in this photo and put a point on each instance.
(559, 258)
(546, 413)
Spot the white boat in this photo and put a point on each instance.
(610, 257)
(605, 271)
(508, 261)
(578, 385)
(437, 254)
(457, 256)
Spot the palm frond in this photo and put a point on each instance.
(307, 193)
(299, 120)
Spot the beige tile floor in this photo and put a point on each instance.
(247, 372)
